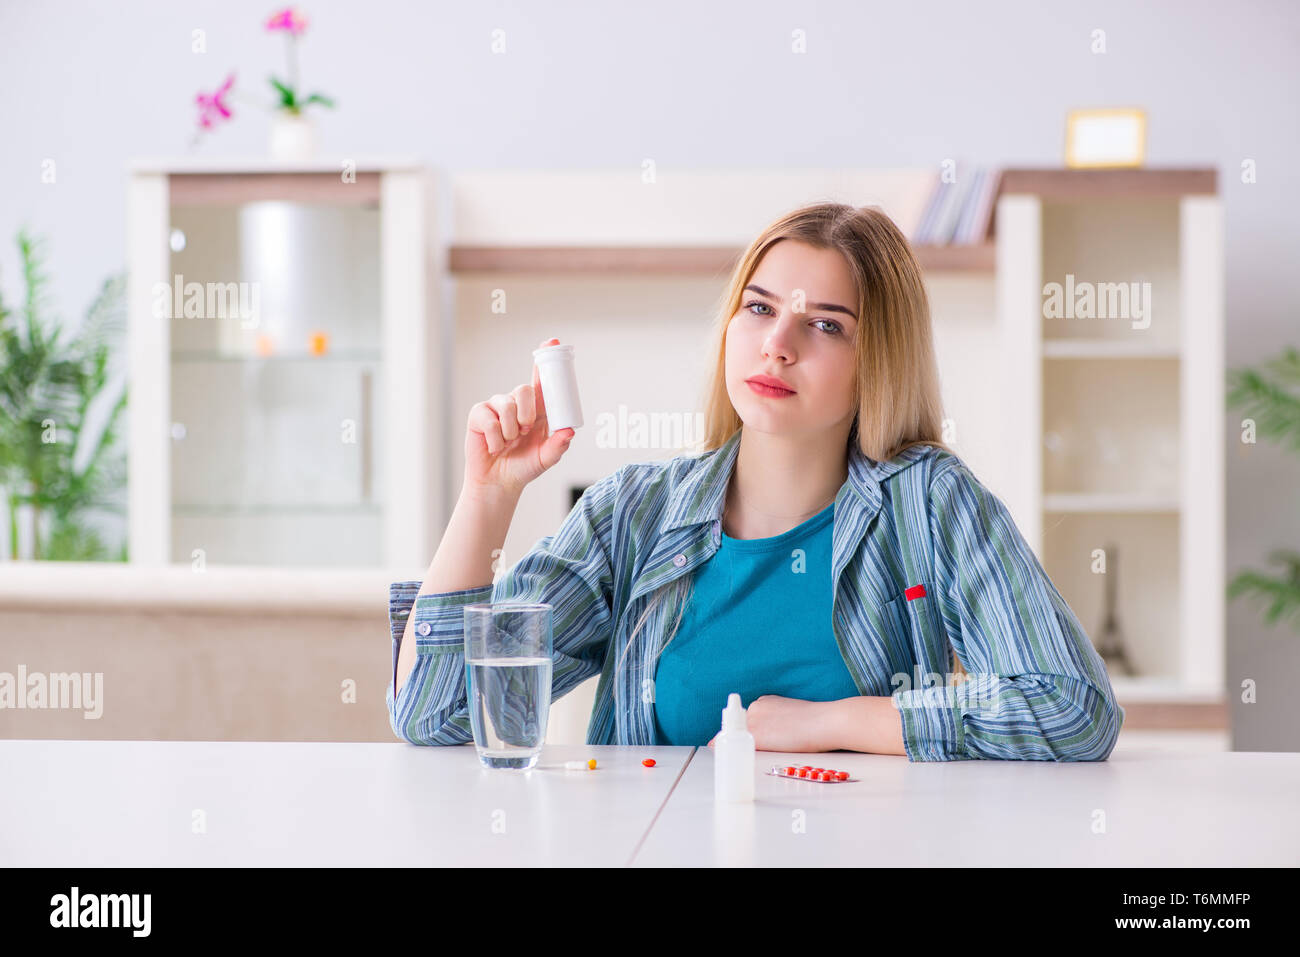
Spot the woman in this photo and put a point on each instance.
(825, 554)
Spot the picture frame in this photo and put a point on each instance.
(1111, 138)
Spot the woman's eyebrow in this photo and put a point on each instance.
(819, 306)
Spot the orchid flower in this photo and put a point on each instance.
(290, 18)
(213, 105)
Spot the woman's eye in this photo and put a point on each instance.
(834, 330)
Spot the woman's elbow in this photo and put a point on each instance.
(418, 729)
(1098, 740)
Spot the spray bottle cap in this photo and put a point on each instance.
(733, 715)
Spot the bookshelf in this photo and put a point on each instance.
(1116, 414)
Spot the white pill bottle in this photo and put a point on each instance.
(559, 381)
(733, 756)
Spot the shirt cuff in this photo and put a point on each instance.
(932, 723)
(439, 617)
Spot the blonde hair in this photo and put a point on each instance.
(896, 376)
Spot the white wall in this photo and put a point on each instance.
(588, 84)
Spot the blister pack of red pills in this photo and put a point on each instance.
(809, 773)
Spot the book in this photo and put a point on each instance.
(954, 196)
(969, 205)
(982, 219)
(931, 211)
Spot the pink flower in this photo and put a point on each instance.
(213, 105)
(291, 19)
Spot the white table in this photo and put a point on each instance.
(133, 803)
(1157, 807)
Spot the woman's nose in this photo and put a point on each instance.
(778, 342)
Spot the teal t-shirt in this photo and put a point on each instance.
(758, 622)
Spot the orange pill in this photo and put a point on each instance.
(591, 764)
(649, 762)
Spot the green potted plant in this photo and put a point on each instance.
(59, 413)
(1270, 395)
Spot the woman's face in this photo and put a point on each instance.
(797, 322)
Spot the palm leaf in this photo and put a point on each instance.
(53, 375)
(1263, 395)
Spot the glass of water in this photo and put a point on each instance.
(508, 675)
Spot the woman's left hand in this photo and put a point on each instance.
(790, 724)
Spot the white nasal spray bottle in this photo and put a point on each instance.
(733, 756)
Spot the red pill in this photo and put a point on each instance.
(818, 770)
(842, 775)
(803, 772)
(827, 776)
(649, 762)
(789, 770)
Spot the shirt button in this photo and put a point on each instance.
(679, 561)
(424, 628)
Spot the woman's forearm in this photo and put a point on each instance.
(870, 724)
(475, 534)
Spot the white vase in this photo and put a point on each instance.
(293, 137)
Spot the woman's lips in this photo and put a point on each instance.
(768, 391)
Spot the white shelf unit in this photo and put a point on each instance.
(1116, 420)
(303, 431)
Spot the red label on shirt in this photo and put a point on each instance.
(916, 591)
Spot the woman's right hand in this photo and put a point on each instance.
(506, 445)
